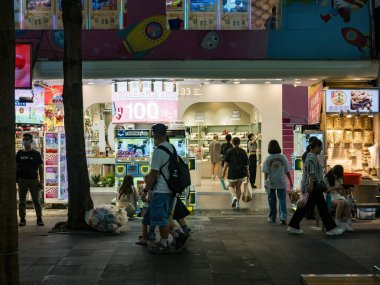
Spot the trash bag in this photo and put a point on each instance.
(106, 218)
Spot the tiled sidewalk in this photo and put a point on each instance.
(226, 248)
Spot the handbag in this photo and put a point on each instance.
(319, 186)
(247, 195)
(302, 202)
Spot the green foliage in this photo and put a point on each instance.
(107, 181)
(95, 179)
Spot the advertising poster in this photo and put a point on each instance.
(51, 176)
(54, 114)
(38, 5)
(23, 72)
(364, 100)
(315, 99)
(51, 193)
(235, 115)
(104, 5)
(29, 106)
(147, 106)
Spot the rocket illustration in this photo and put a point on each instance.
(356, 38)
(146, 35)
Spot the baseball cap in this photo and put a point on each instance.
(159, 129)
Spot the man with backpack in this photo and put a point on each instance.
(169, 176)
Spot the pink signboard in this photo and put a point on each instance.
(142, 105)
(315, 103)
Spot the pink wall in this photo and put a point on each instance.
(294, 103)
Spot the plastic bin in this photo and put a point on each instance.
(366, 213)
(352, 178)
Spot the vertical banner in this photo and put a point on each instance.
(315, 93)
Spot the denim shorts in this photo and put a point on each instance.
(159, 209)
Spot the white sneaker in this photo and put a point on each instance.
(349, 228)
(294, 231)
(234, 201)
(237, 205)
(335, 232)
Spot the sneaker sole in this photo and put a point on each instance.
(234, 203)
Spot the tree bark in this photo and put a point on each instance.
(9, 272)
(79, 185)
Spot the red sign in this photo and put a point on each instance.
(315, 103)
(23, 66)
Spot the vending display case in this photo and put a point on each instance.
(133, 155)
(175, 14)
(105, 14)
(56, 182)
(38, 14)
(235, 15)
(203, 15)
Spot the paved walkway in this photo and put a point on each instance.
(226, 248)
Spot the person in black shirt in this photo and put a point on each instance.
(237, 164)
(225, 147)
(29, 165)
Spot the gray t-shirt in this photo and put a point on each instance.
(276, 166)
(311, 166)
(159, 159)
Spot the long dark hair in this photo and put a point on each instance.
(335, 173)
(274, 147)
(127, 185)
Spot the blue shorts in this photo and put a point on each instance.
(159, 209)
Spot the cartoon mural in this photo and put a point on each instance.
(302, 35)
(356, 38)
(343, 9)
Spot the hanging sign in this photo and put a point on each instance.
(235, 115)
(352, 100)
(315, 103)
(200, 117)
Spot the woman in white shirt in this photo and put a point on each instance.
(334, 182)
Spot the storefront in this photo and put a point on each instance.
(351, 124)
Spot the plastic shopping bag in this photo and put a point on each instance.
(302, 202)
(247, 194)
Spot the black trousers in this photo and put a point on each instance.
(316, 199)
(252, 168)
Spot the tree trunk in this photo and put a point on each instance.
(9, 273)
(79, 185)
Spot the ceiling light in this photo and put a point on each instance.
(236, 82)
(206, 82)
(268, 82)
(278, 79)
(313, 79)
(297, 81)
(91, 83)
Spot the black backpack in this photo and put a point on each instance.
(179, 178)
